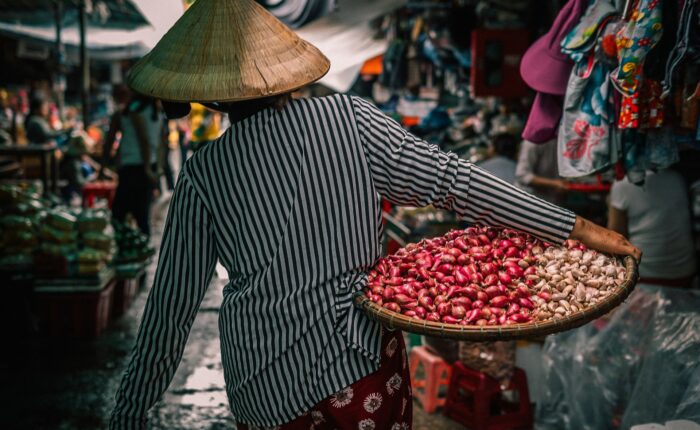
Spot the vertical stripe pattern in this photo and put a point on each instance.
(289, 202)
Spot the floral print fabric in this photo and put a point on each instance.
(634, 41)
(380, 401)
(644, 109)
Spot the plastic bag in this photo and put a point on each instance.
(643, 366)
(496, 359)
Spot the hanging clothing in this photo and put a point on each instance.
(585, 130)
(290, 202)
(636, 38)
(687, 42)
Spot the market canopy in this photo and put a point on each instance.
(347, 39)
(122, 35)
(119, 14)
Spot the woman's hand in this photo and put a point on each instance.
(602, 239)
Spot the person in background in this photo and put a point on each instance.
(205, 126)
(183, 139)
(71, 167)
(537, 171)
(656, 217)
(501, 157)
(37, 126)
(8, 119)
(141, 127)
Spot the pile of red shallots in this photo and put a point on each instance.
(492, 276)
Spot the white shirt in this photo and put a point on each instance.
(129, 149)
(658, 222)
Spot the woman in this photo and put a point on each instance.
(37, 126)
(141, 125)
(656, 216)
(288, 199)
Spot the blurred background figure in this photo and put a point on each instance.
(37, 125)
(8, 118)
(141, 124)
(205, 126)
(656, 217)
(183, 139)
(501, 157)
(537, 171)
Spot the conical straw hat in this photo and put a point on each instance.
(227, 50)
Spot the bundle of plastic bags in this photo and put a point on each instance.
(642, 366)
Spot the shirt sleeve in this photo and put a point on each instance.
(408, 171)
(526, 160)
(187, 261)
(618, 196)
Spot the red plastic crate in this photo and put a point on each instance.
(101, 189)
(476, 401)
(83, 314)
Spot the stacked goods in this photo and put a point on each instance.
(492, 276)
(97, 240)
(132, 246)
(59, 243)
(20, 214)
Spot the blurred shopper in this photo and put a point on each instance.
(289, 201)
(537, 171)
(205, 126)
(37, 127)
(656, 217)
(141, 127)
(8, 119)
(183, 140)
(501, 157)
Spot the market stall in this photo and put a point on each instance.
(73, 267)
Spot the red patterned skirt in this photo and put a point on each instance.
(380, 401)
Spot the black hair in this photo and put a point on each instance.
(505, 144)
(243, 109)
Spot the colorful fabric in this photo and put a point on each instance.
(584, 131)
(379, 401)
(634, 41)
(683, 42)
(582, 38)
(643, 109)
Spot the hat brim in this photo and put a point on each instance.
(543, 72)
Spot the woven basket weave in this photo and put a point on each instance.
(395, 320)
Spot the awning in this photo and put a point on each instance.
(121, 14)
(347, 39)
(106, 42)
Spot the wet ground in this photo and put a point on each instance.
(71, 384)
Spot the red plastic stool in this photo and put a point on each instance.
(436, 374)
(101, 189)
(475, 400)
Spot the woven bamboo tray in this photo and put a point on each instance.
(394, 320)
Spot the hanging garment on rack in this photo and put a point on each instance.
(296, 13)
(643, 109)
(687, 43)
(582, 38)
(640, 34)
(584, 133)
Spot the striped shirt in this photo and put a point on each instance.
(290, 202)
